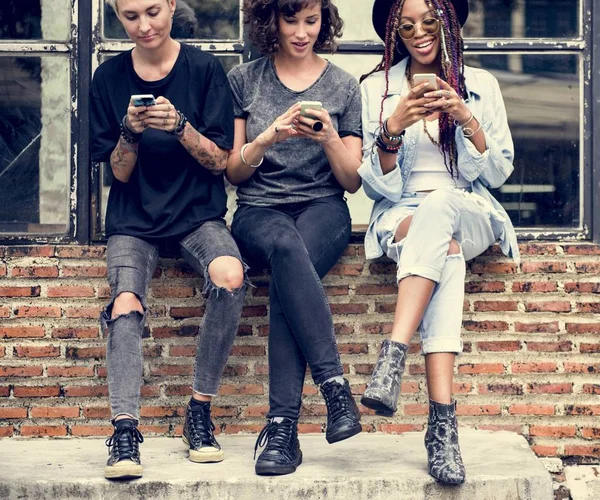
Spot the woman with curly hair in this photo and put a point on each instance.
(292, 169)
(433, 148)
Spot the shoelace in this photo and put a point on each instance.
(276, 435)
(337, 400)
(124, 447)
(202, 427)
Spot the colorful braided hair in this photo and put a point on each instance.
(452, 72)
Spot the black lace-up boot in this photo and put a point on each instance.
(123, 449)
(441, 440)
(198, 434)
(343, 417)
(282, 454)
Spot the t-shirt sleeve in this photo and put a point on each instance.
(237, 90)
(104, 131)
(218, 112)
(349, 122)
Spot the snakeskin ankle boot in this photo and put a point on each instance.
(384, 388)
(441, 440)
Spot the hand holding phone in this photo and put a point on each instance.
(143, 100)
(420, 78)
(317, 126)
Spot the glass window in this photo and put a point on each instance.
(35, 117)
(194, 19)
(35, 19)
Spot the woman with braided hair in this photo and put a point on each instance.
(432, 150)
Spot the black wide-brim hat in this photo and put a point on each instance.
(381, 11)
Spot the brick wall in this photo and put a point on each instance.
(532, 346)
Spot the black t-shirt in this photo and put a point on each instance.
(169, 193)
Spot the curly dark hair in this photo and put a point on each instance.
(262, 17)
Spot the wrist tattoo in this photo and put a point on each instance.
(206, 152)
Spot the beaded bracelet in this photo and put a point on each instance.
(127, 134)
(388, 148)
(390, 137)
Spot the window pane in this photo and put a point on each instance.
(35, 19)
(523, 19)
(194, 19)
(35, 115)
(106, 176)
(542, 97)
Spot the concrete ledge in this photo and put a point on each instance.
(583, 481)
(374, 466)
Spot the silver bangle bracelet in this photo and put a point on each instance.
(243, 158)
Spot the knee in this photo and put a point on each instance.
(226, 272)
(287, 244)
(454, 247)
(125, 303)
(436, 203)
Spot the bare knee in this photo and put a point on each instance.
(125, 303)
(226, 272)
(454, 247)
(402, 229)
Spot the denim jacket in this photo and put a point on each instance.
(483, 170)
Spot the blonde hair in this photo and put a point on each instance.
(113, 4)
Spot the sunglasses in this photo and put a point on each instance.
(429, 25)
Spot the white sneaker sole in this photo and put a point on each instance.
(205, 455)
(123, 469)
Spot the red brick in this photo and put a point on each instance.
(30, 251)
(3, 269)
(248, 350)
(495, 305)
(43, 430)
(55, 412)
(507, 389)
(582, 367)
(534, 286)
(42, 351)
(11, 332)
(182, 350)
(582, 249)
(6, 431)
(464, 409)
(91, 430)
(70, 371)
(37, 312)
(583, 327)
(545, 450)
(255, 411)
(85, 352)
(476, 368)
(588, 307)
(342, 329)
(154, 429)
(162, 411)
(4, 312)
(4, 391)
(186, 312)
(86, 391)
(20, 371)
(169, 332)
(75, 333)
(416, 409)
(534, 367)
(460, 388)
(582, 287)
(83, 312)
(242, 389)
(166, 370)
(493, 267)
(80, 252)
(582, 451)
(43, 391)
(564, 346)
(336, 291)
(590, 432)
(70, 291)
(496, 428)
(555, 388)
(242, 428)
(544, 267)
(485, 286)
(582, 410)
(399, 428)
(524, 409)
(538, 249)
(587, 267)
(591, 388)
(150, 391)
(84, 271)
(20, 291)
(254, 311)
(549, 306)
(346, 270)
(162, 292)
(377, 328)
(35, 272)
(377, 289)
(485, 326)
(6, 413)
(552, 431)
(383, 267)
(549, 327)
(353, 348)
(499, 345)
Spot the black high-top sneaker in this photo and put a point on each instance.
(343, 417)
(198, 434)
(123, 449)
(282, 454)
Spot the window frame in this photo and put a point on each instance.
(86, 47)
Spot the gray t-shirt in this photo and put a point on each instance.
(296, 169)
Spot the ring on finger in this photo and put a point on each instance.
(276, 129)
(447, 103)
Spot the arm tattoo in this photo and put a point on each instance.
(204, 151)
(123, 157)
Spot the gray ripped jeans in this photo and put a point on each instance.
(131, 262)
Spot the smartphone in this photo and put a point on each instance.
(143, 100)
(420, 78)
(304, 105)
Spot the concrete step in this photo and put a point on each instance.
(374, 466)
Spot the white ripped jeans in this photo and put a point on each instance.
(438, 217)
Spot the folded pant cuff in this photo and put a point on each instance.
(442, 344)
(428, 272)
